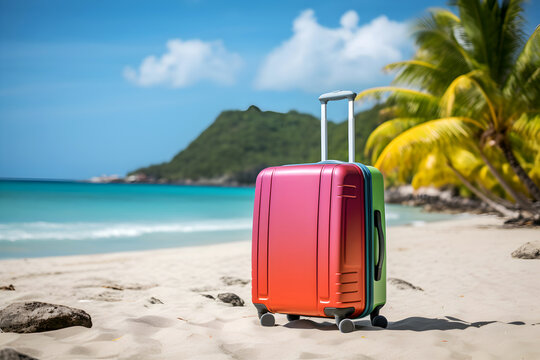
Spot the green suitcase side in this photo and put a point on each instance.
(379, 287)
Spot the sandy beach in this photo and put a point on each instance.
(472, 301)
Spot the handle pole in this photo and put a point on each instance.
(351, 131)
(324, 136)
(324, 99)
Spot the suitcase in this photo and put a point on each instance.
(318, 245)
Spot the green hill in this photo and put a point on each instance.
(241, 143)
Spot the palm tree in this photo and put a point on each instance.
(473, 85)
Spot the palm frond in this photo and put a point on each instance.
(432, 171)
(422, 139)
(475, 99)
(401, 64)
(378, 91)
(523, 85)
(421, 74)
(384, 133)
(468, 163)
(528, 130)
(511, 38)
(437, 43)
(406, 102)
(492, 33)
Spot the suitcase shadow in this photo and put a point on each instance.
(414, 323)
(418, 323)
(310, 324)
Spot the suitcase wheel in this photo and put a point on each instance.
(267, 319)
(346, 326)
(291, 317)
(379, 321)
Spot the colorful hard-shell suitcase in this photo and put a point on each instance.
(319, 237)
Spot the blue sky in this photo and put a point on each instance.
(81, 94)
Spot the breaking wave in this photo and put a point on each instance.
(85, 231)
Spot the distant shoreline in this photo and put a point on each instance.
(430, 199)
(171, 183)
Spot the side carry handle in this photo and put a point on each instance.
(382, 247)
(332, 96)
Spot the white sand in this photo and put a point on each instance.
(477, 302)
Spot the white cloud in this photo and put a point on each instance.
(185, 63)
(318, 58)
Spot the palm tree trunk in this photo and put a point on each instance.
(520, 200)
(507, 204)
(495, 206)
(533, 189)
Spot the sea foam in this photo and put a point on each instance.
(86, 231)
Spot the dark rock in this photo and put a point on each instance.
(231, 280)
(522, 222)
(154, 300)
(208, 296)
(404, 285)
(10, 287)
(11, 354)
(231, 298)
(435, 200)
(36, 316)
(530, 250)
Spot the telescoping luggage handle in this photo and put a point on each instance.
(324, 99)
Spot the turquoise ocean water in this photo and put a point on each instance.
(45, 218)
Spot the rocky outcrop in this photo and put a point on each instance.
(530, 250)
(231, 298)
(30, 317)
(522, 222)
(434, 200)
(11, 354)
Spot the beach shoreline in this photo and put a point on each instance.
(472, 300)
(42, 219)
